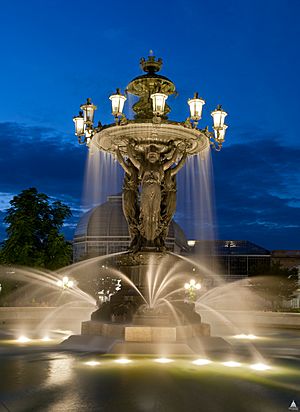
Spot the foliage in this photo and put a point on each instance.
(34, 238)
(274, 283)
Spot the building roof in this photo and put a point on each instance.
(228, 247)
(108, 220)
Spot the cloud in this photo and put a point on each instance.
(36, 156)
(40, 157)
(258, 192)
(256, 183)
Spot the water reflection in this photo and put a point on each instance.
(60, 370)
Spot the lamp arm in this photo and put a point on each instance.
(218, 147)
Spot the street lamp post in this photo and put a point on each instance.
(65, 283)
(192, 288)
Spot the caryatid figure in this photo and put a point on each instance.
(151, 174)
(130, 199)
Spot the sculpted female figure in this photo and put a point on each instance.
(151, 174)
(130, 199)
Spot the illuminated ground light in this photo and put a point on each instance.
(163, 360)
(23, 339)
(201, 362)
(92, 363)
(260, 367)
(123, 361)
(244, 336)
(231, 364)
(46, 339)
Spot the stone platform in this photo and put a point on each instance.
(145, 333)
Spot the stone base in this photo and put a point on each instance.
(145, 333)
(202, 346)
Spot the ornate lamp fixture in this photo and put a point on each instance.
(219, 126)
(79, 125)
(192, 287)
(153, 91)
(117, 104)
(196, 104)
(158, 103)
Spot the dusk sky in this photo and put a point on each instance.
(244, 55)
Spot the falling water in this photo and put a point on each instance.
(102, 178)
(196, 197)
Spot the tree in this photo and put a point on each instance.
(34, 237)
(274, 283)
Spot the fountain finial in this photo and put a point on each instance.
(151, 65)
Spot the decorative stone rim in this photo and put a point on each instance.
(150, 133)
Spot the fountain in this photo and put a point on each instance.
(153, 303)
(151, 150)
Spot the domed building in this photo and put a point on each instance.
(103, 230)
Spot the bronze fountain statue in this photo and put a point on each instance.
(151, 149)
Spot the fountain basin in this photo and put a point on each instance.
(145, 333)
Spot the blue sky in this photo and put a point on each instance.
(244, 55)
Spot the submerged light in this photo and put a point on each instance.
(232, 364)
(46, 339)
(260, 367)
(201, 362)
(23, 339)
(163, 360)
(92, 363)
(123, 361)
(244, 336)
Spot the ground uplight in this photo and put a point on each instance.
(260, 367)
(250, 336)
(46, 339)
(201, 362)
(163, 360)
(23, 339)
(92, 363)
(123, 361)
(232, 364)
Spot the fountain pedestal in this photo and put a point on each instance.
(145, 333)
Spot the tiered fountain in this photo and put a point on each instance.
(151, 149)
